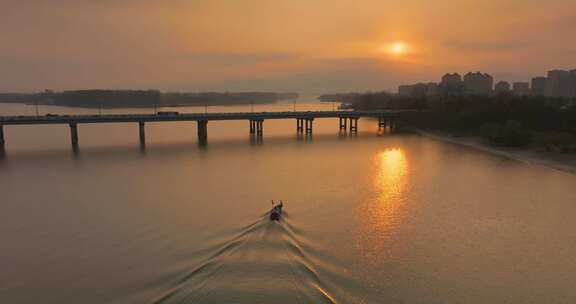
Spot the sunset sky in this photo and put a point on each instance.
(309, 46)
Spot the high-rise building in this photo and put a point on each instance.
(451, 84)
(559, 84)
(451, 79)
(538, 87)
(521, 88)
(502, 87)
(478, 84)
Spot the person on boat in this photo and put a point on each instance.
(278, 206)
(276, 211)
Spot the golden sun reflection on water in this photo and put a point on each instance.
(390, 183)
(382, 214)
(393, 167)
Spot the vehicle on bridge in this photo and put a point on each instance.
(346, 106)
(168, 113)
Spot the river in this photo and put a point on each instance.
(370, 218)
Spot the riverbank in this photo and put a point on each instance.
(554, 160)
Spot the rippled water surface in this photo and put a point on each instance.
(372, 218)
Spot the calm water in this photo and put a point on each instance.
(370, 218)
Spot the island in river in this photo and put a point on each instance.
(143, 98)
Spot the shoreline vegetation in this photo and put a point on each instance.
(142, 98)
(532, 129)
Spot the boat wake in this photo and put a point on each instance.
(265, 262)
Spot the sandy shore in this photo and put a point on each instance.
(558, 161)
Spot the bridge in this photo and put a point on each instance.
(348, 121)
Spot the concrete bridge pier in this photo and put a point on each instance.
(2, 142)
(382, 123)
(299, 125)
(260, 127)
(142, 131)
(309, 124)
(342, 122)
(202, 132)
(256, 127)
(354, 124)
(74, 134)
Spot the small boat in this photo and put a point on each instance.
(276, 212)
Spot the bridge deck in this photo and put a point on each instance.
(122, 118)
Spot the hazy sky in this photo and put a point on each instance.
(310, 46)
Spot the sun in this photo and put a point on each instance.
(396, 49)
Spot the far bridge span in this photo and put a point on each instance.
(348, 121)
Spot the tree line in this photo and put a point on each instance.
(504, 120)
(142, 98)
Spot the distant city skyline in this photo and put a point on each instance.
(556, 83)
(283, 46)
